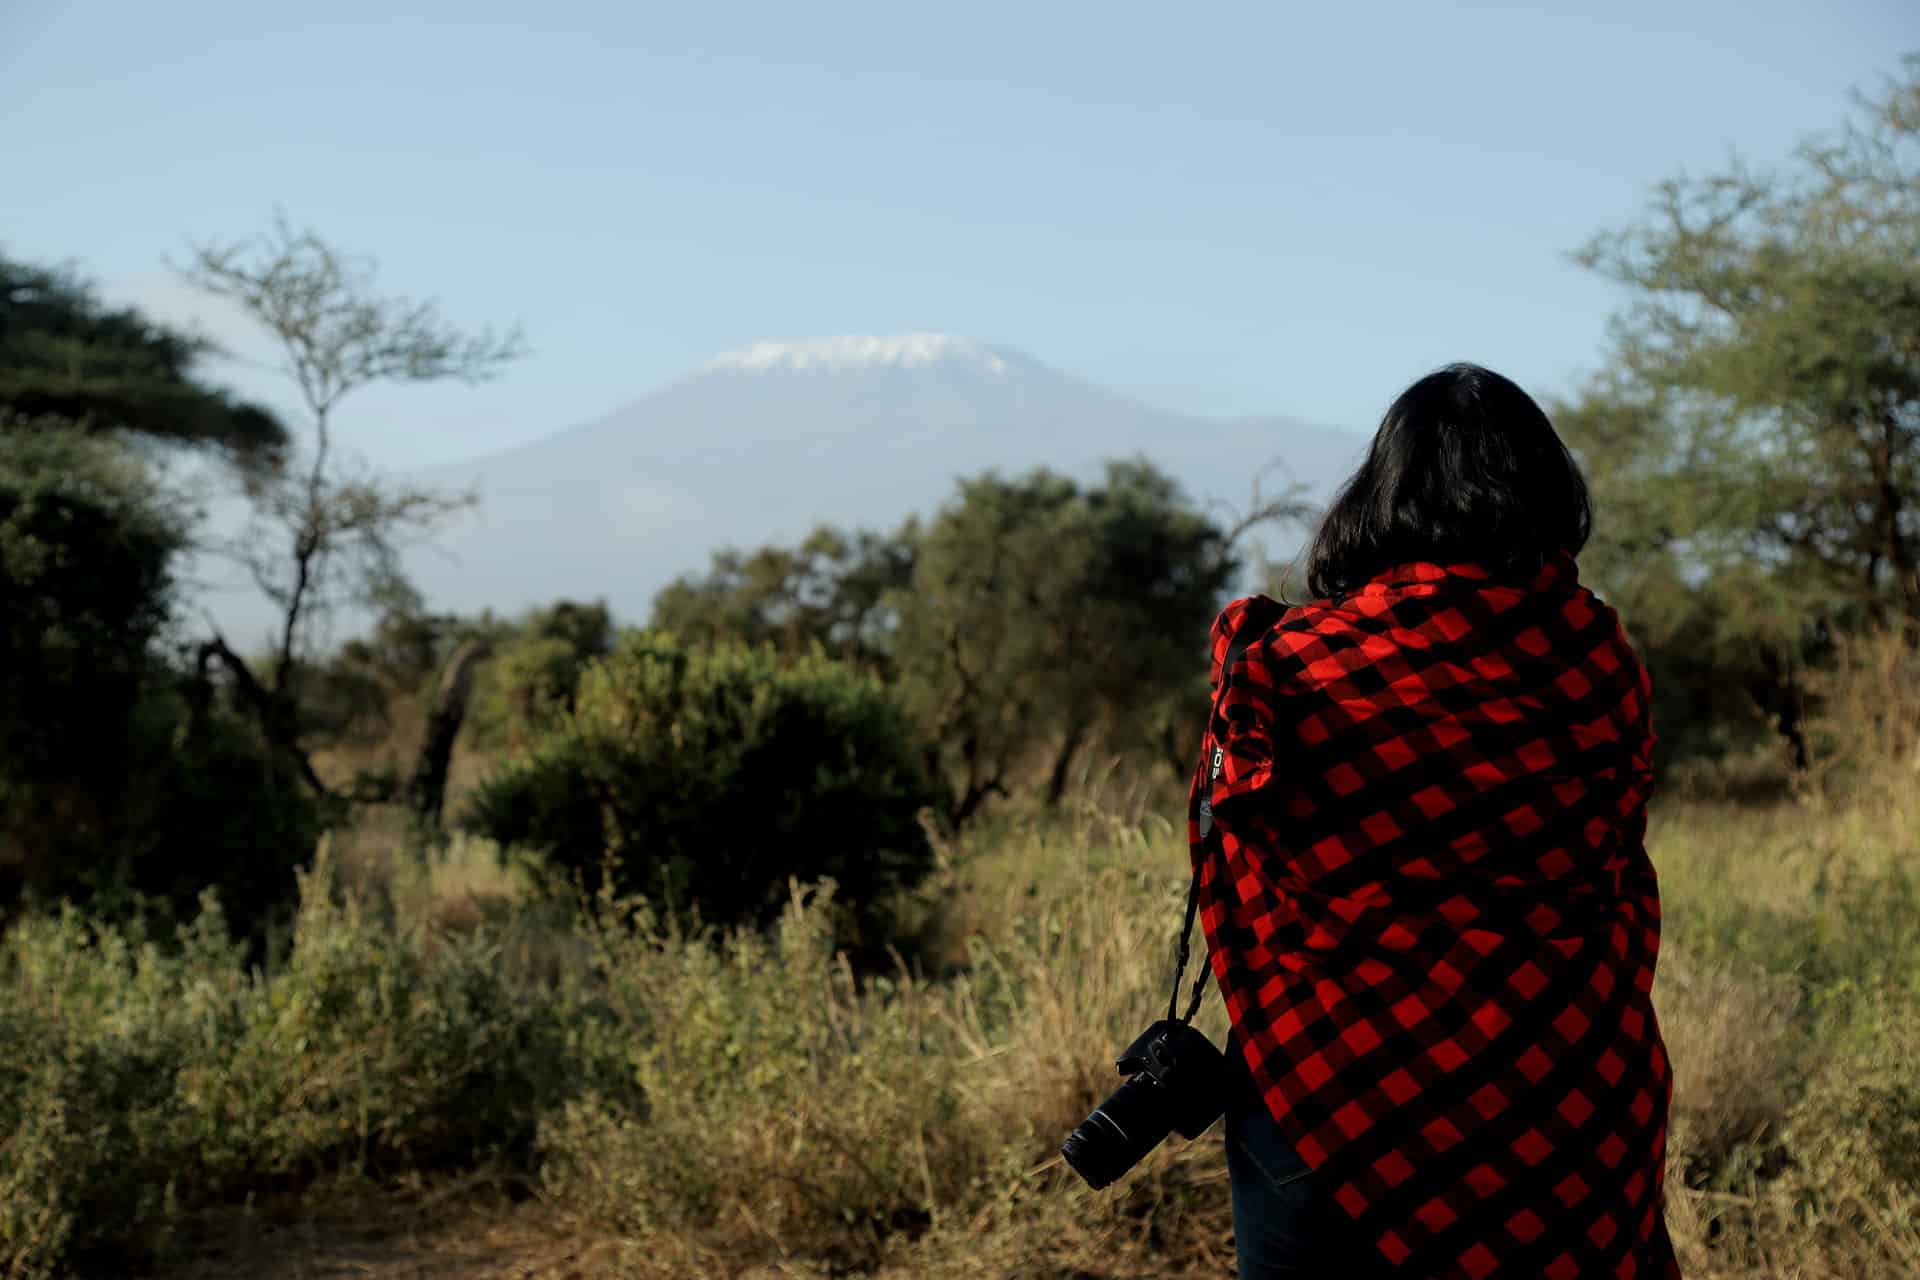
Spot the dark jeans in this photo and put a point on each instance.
(1284, 1223)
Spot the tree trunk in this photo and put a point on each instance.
(274, 713)
(1179, 741)
(1057, 781)
(427, 790)
(977, 788)
(1791, 730)
(1892, 504)
(971, 800)
(1783, 698)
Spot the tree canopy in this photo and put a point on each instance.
(836, 590)
(1754, 442)
(65, 356)
(327, 530)
(1042, 612)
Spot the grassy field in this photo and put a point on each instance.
(451, 1075)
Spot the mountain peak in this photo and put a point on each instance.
(853, 351)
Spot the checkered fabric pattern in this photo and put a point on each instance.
(1434, 921)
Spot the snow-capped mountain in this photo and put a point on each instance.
(762, 443)
(907, 350)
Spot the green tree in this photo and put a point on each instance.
(87, 550)
(1754, 443)
(65, 357)
(534, 671)
(123, 782)
(836, 590)
(348, 702)
(1041, 614)
(712, 774)
(120, 784)
(408, 644)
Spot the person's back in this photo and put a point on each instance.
(1431, 912)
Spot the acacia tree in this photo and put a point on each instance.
(88, 539)
(68, 359)
(327, 531)
(120, 784)
(1755, 439)
(1042, 614)
(836, 590)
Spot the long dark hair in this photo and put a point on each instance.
(1464, 468)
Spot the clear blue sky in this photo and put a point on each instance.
(1271, 207)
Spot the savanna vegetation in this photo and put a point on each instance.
(787, 931)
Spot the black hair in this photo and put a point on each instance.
(1465, 468)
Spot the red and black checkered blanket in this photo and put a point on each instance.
(1435, 923)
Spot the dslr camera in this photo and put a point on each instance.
(1176, 1080)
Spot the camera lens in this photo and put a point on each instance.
(1130, 1123)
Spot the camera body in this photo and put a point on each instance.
(1176, 1079)
(1177, 1082)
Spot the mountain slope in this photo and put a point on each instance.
(763, 443)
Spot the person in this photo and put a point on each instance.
(1429, 905)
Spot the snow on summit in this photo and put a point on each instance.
(906, 351)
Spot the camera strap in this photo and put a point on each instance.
(1261, 614)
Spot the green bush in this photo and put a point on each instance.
(197, 803)
(793, 1118)
(143, 1080)
(769, 1095)
(708, 777)
(208, 806)
(86, 550)
(115, 792)
(738, 1102)
(534, 674)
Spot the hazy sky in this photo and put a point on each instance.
(1273, 207)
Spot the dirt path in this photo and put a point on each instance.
(479, 1237)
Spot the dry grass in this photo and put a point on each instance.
(457, 1231)
(817, 1128)
(755, 1110)
(1790, 994)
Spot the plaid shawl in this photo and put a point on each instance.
(1434, 921)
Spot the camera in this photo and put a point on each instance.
(1176, 1081)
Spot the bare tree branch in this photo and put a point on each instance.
(271, 713)
(1262, 510)
(328, 532)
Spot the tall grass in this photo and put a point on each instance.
(142, 1081)
(746, 1104)
(1789, 991)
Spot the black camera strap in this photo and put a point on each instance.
(1261, 614)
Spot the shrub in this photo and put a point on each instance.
(708, 777)
(86, 553)
(534, 674)
(1865, 733)
(143, 1080)
(100, 1023)
(769, 1098)
(197, 802)
(785, 1117)
(115, 791)
(743, 1103)
(211, 807)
